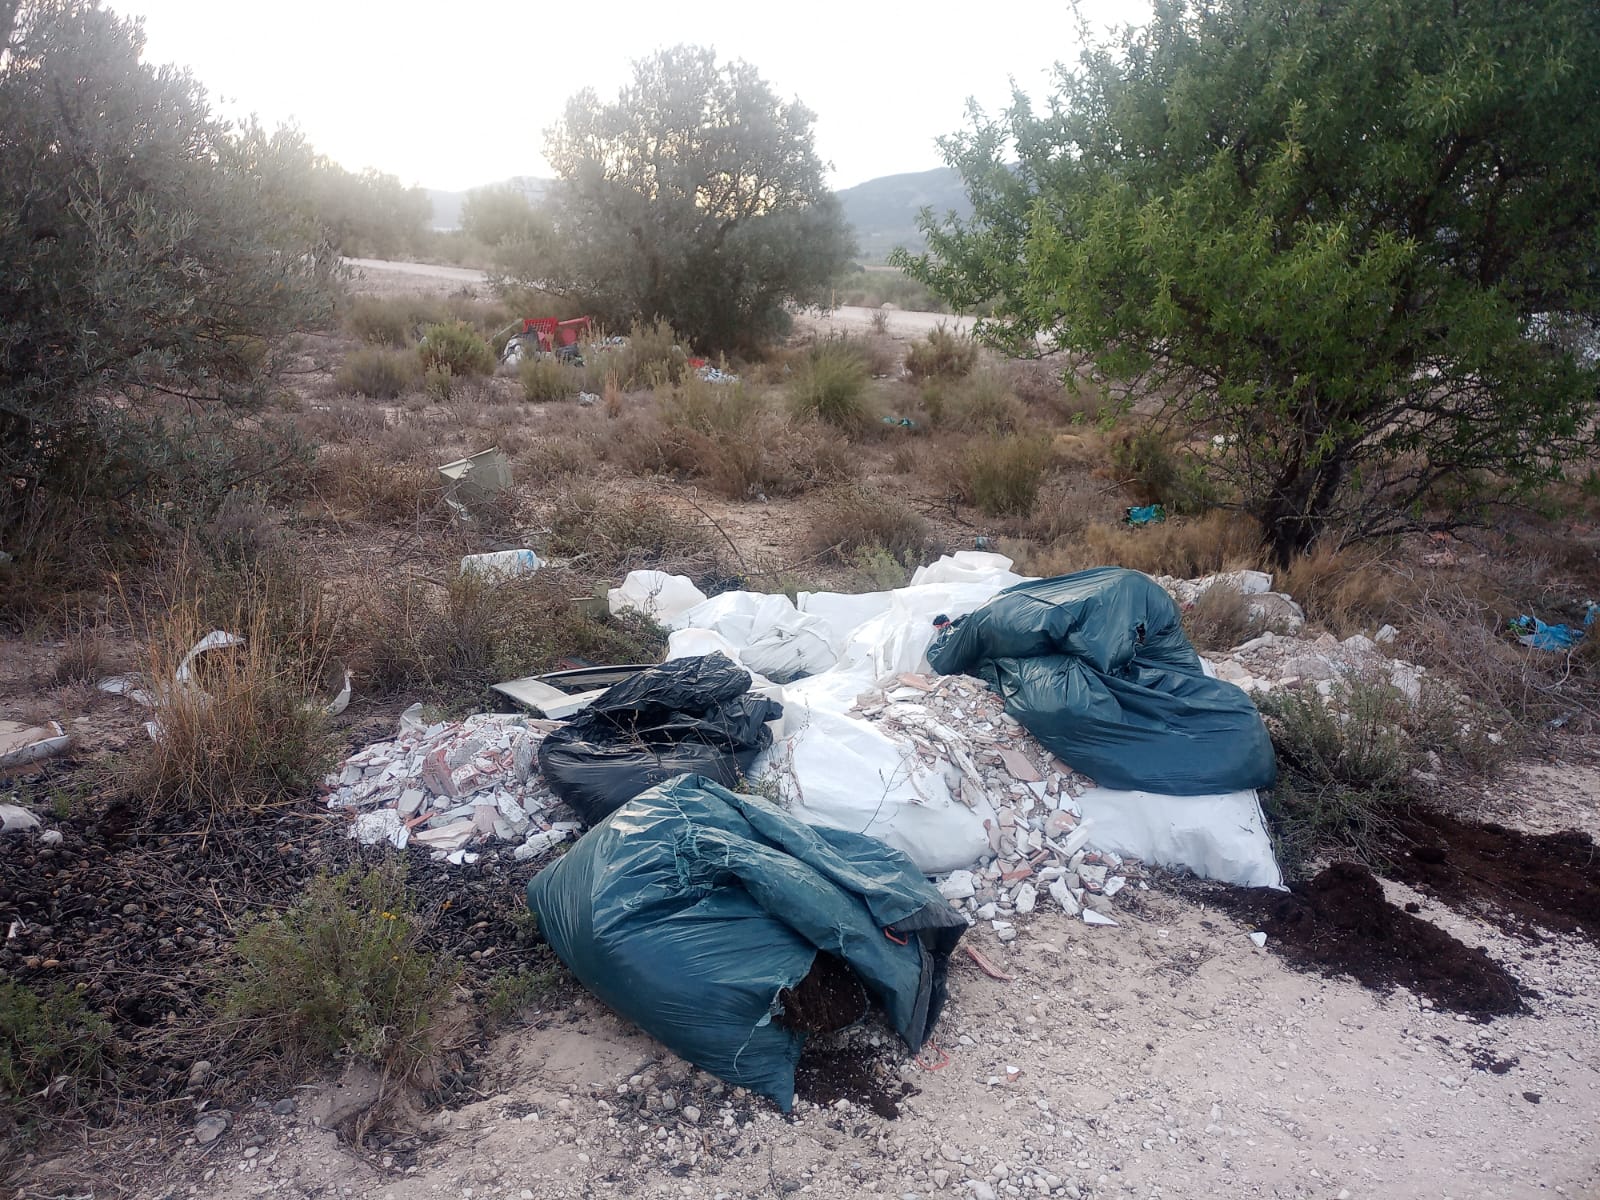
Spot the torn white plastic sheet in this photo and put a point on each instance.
(501, 564)
(841, 772)
(20, 744)
(775, 639)
(656, 594)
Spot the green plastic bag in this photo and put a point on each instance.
(690, 908)
(1096, 666)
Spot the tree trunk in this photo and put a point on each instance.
(1294, 513)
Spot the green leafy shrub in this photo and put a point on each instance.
(1001, 476)
(1164, 474)
(941, 353)
(381, 374)
(830, 385)
(392, 320)
(457, 346)
(651, 359)
(54, 1055)
(342, 972)
(545, 378)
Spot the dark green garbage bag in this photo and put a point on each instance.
(1096, 666)
(690, 908)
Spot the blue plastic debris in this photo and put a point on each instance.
(1535, 633)
(902, 422)
(1146, 514)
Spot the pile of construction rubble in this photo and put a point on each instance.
(1038, 844)
(447, 784)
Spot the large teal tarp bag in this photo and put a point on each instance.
(691, 909)
(1096, 666)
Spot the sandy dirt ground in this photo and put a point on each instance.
(1166, 1058)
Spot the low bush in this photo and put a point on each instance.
(611, 535)
(1163, 473)
(1349, 591)
(941, 353)
(54, 1055)
(1219, 541)
(853, 520)
(341, 973)
(652, 357)
(451, 642)
(983, 403)
(1001, 476)
(82, 659)
(378, 373)
(392, 320)
(1220, 618)
(246, 729)
(829, 384)
(456, 346)
(545, 378)
(364, 483)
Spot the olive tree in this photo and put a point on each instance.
(152, 257)
(696, 196)
(1351, 243)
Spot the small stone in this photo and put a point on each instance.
(958, 885)
(980, 1190)
(284, 1107)
(691, 1114)
(950, 1153)
(252, 1151)
(1259, 938)
(199, 1073)
(988, 912)
(940, 1178)
(1090, 917)
(1027, 897)
(211, 1126)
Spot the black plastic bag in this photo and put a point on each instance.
(699, 914)
(690, 716)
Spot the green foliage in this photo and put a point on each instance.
(1355, 238)
(512, 991)
(697, 197)
(1165, 474)
(545, 377)
(652, 358)
(1001, 476)
(151, 251)
(373, 371)
(830, 385)
(873, 289)
(941, 353)
(457, 346)
(54, 1053)
(341, 972)
(501, 214)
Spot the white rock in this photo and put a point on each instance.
(1259, 938)
(1027, 896)
(1090, 917)
(1386, 635)
(958, 885)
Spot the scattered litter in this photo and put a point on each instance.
(1145, 514)
(900, 422)
(588, 399)
(21, 743)
(1535, 633)
(477, 477)
(14, 819)
(713, 374)
(501, 564)
(547, 701)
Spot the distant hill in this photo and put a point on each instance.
(884, 211)
(447, 205)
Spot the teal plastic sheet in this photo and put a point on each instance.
(1096, 666)
(690, 908)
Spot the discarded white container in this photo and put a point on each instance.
(656, 594)
(502, 564)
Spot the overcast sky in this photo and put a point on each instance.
(457, 94)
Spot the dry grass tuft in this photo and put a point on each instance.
(829, 384)
(941, 353)
(1219, 541)
(364, 483)
(378, 373)
(855, 519)
(1001, 476)
(1220, 619)
(1349, 591)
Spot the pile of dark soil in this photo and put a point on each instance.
(140, 916)
(830, 998)
(1522, 883)
(1340, 924)
(832, 1070)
